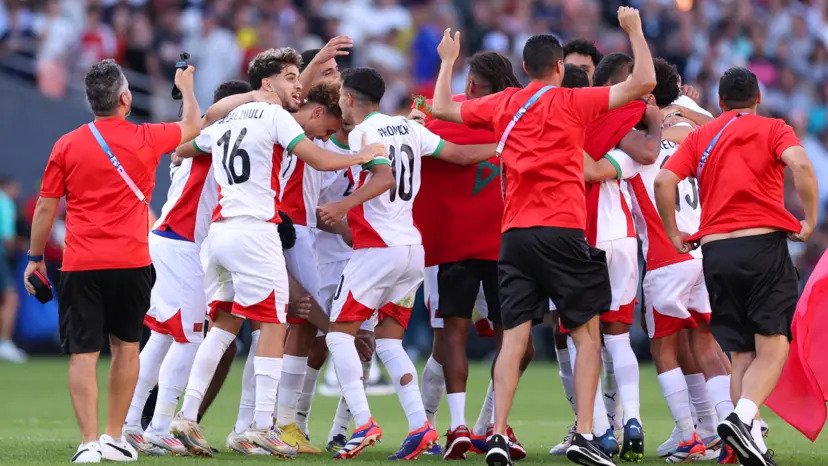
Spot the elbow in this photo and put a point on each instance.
(647, 84)
(662, 182)
(439, 111)
(649, 156)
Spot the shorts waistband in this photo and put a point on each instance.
(171, 235)
(775, 236)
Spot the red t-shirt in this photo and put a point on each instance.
(741, 184)
(458, 208)
(543, 159)
(106, 225)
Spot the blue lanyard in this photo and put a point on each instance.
(115, 163)
(713, 142)
(502, 144)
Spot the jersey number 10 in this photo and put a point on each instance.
(406, 157)
(228, 160)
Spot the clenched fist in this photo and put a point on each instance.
(629, 19)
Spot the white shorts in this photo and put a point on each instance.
(675, 298)
(383, 280)
(244, 270)
(330, 274)
(622, 263)
(302, 265)
(178, 305)
(431, 297)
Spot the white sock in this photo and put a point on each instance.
(457, 409)
(172, 380)
(565, 372)
(674, 389)
(719, 390)
(626, 373)
(204, 367)
(703, 413)
(746, 410)
(399, 365)
(151, 357)
(486, 412)
(374, 374)
(756, 433)
(600, 421)
(573, 354)
(342, 419)
(247, 403)
(290, 387)
(330, 374)
(268, 372)
(303, 407)
(615, 411)
(434, 385)
(347, 364)
(367, 368)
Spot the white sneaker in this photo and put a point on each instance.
(117, 449)
(135, 436)
(9, 352)
(670, 445)
(240, 444)
(88, 453)
(560, 449)
(166, 442)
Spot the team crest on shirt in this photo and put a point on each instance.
(485, 174)
(407, 301)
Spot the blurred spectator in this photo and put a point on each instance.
(97, 41)
(9, 191)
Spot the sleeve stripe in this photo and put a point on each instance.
(376, 161)
(439, 148)
(199, 149)
(614, 164)
(295, 141)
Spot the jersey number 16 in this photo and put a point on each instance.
(228, 160)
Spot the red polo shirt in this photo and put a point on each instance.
(741, 184)
(543, 160)
(106, 225)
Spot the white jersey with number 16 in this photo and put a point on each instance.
(248, 146)
(387, 219)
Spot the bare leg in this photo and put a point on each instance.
(507, 371)
(587, 339)
(83, 389)
(123, 375)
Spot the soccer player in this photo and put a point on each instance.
(543, 252)
(178, 304)
(458, 212)
(244, 266)
(386, 267)
(739, 161)
(583, 54)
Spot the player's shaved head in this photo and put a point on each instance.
(105, 84)
(271, 62)
(541, 54)
(613, 69)
(365, 84)
(232, 87)
(738, 88)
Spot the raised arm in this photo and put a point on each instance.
(337, 47)
(465, 154)
(443, 107)
(642, 80)
(324, 160)
(190, 113)
(382, 179)
(806, 186)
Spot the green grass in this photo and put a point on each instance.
(37, 425)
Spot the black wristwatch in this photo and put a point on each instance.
(34, 258)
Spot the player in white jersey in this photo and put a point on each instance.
(242, 255)
(178, 303)
(386, 267)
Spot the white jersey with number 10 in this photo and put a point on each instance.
(387, 220)
(248, 146)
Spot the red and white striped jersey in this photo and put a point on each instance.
(192, 196)
(657, 248)
(248, 147)
(614, 219)
(330, 247)
(301, 184)
(388, 220)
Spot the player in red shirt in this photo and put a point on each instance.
(544, 253)
(107, 273)
(739, 161)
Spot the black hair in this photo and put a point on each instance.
(667, 88)
(583, 47)
(495, 69)
(540, 54)
(612, 69)
(270, 62)
(574, 76)
(326, 94)
(307, 56)
(104, 84)
(738, 88)
(366, 84)
(228, 88)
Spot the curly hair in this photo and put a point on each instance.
(583, 47)
(495, 69)
(326, 94)
(667, 82)
(270, 62)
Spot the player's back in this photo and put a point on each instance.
(248, 146)
(190, 200)
(387, 220)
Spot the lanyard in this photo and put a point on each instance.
(713, 142)
(502, 144)
(115, 163)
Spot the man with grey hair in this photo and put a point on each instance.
(106, 171)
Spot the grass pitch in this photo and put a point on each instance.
(37, 425)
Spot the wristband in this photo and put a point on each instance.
(34, 258)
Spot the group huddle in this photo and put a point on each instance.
(303, 210)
